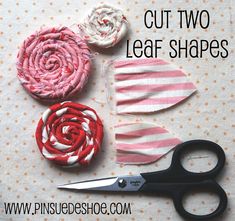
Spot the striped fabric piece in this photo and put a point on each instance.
(148, 85)
(142, 143)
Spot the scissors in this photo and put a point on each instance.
(175, 181)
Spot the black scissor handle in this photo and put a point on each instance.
(176, 173)
(208, 185)
(181, 173)
(176, 181)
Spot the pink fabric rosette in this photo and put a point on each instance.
(53, 64)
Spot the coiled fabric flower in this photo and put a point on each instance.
(53, 64)
(69, 134)
(104, 27)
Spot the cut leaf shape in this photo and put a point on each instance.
(148, 85)
(142, 143)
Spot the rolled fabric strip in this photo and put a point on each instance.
(142, 143)
(148, 85)
(104, 27)
(53, 64)
(69, 134)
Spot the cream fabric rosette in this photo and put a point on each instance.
(104, 27)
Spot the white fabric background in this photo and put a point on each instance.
(26, 177)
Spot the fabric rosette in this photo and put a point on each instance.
(53, 64)
(104, 27)
(69, 134)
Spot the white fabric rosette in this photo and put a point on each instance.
(104, 27)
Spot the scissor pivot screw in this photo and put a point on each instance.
(122, 183)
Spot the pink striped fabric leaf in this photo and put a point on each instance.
(142, 143)
(148, 85)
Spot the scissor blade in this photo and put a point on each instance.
(90, 184)
(121, 183)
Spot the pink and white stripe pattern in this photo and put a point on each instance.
(148, 85)
(142, 143)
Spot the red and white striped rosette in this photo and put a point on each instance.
(53, 64)
(142, 143)
(69, 134)
(148, 85)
